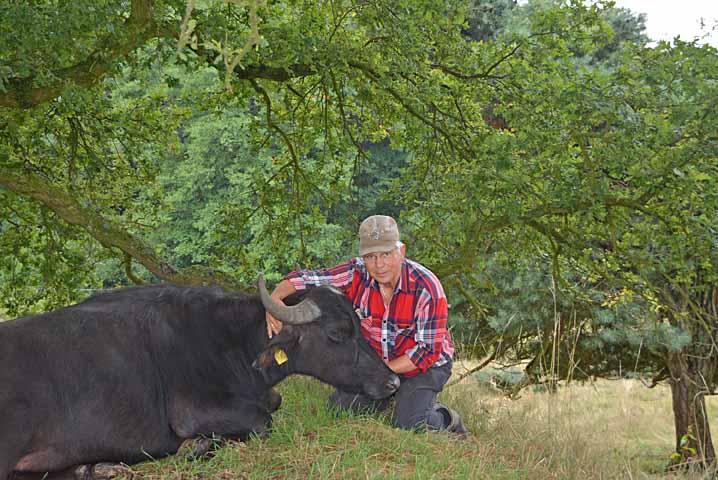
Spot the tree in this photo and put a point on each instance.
(610, 174)
(605, 176)
(313, 99)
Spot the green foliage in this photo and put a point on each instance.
(274, 174)
(104, 152)
(44, 262)
(486, 20)
(38, 39)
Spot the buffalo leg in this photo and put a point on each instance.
(11, 450)
(98, 471)
(198, 447)
(68, 474)
(204, 447)
(109, 471)
(273, 400)
(235, 419)
(5, 470)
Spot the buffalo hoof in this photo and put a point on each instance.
(103, 471)
(197, 448)
(83, 472)
(109, 471)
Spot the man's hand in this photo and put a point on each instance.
(402, 364)
(274, 326)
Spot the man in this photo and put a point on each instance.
(403, 312)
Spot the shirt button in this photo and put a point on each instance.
(383, 339)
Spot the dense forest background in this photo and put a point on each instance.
(553, 166)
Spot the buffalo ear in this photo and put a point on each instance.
(279, 351)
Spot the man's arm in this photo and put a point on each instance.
(281, 291)
(430, 317)
(339, 276)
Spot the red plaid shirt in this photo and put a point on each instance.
(415, 322)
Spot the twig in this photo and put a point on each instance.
(483, 363)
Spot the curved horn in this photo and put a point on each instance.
(304, 312)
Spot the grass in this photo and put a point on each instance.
(607, 429)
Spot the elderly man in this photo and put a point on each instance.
(403, 311)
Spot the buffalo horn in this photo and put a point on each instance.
(304, 312)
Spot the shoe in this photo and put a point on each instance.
(456, 426)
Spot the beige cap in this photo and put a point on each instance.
(378, 233)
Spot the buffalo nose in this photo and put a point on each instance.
(393, 383)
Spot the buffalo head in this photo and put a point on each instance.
(321, 338)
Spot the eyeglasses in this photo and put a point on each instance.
(375, 257)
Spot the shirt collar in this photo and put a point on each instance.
(403, 284)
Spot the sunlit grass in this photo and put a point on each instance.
(616, 429)
(603, 429)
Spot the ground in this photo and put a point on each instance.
(606, 429)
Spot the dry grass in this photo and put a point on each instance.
(605, 429)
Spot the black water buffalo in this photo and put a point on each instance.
(128, 375)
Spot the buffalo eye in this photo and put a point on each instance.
(339, 334)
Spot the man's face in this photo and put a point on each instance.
(385, 267)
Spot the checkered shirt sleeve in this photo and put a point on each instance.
(339, 276)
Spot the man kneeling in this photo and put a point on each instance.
(403, 312)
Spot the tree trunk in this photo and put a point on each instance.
(694, 445)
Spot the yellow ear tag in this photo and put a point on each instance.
(280, 356)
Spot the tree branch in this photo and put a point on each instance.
(105, 231)
(127, 262)
(484, 362)
(276, 74)
(483, 75)
(370, 74)
(136, 30)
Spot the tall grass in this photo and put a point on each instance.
(607, 429)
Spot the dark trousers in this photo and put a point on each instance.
(414, 401)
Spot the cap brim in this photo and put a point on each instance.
(377, 248)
